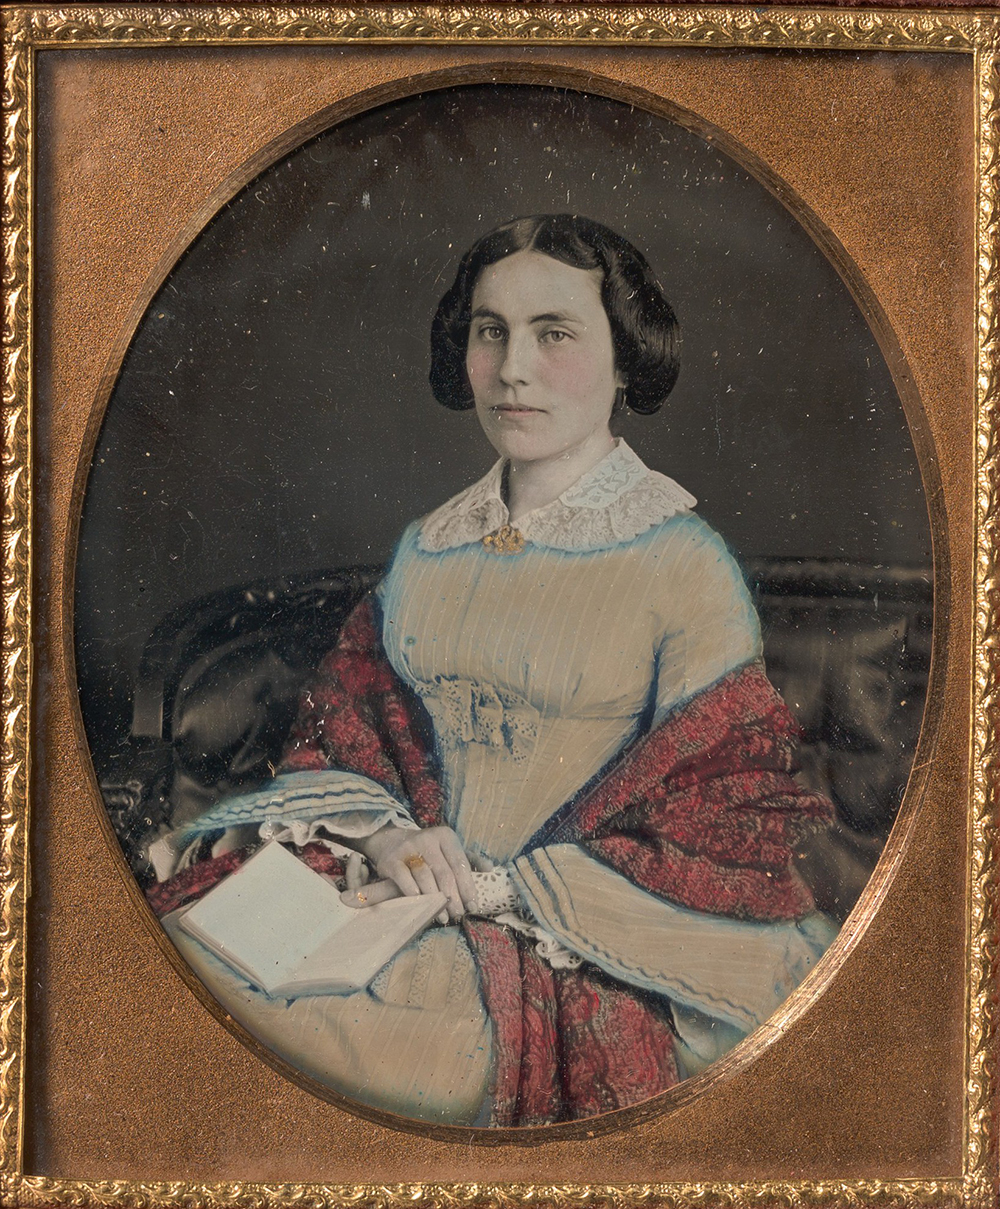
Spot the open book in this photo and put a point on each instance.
(283, 927)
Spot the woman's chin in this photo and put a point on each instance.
(523, 447)
(517, 445)
(525, 453)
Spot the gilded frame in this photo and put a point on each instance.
(31, 31)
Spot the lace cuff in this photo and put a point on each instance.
(548, 947)
(497, 898)
(495, 893)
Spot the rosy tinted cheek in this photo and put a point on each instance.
(579, 372)
(478, 365)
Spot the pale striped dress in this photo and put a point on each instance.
(536, 669)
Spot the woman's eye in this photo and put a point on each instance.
(555, 336)
(491, 331)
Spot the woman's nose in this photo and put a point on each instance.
(516, 365)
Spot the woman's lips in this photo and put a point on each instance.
(512, 411)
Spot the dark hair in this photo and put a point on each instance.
(644, 328)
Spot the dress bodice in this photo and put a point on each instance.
(538, 668)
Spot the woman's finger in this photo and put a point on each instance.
(406, 872)
(426, 878)
(353, 871)
(399, 872)
(454, 854)
(446, 883)
(368, 896)
(423, 875)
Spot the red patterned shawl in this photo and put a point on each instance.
(703, 811)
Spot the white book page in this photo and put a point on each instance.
(352, 957)
(269, 915)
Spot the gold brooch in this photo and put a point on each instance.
(506, 540)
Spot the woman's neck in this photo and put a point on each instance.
(531, 485)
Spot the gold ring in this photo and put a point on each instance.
(416, 861)
(362, 898)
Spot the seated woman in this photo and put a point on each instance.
(554, 711)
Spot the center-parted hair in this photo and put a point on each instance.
(644, 329)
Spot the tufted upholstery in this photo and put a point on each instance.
(848, 647)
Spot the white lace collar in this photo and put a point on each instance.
(614, 502)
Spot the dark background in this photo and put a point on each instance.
(273, 413)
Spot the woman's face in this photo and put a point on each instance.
(540, 358)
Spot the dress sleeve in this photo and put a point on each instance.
(707, 623)
(733, 972)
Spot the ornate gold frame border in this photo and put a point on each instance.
(30, 30)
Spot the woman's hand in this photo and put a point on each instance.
(419, 862)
